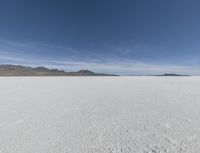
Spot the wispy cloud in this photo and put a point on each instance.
(125, 67)
(116, 65)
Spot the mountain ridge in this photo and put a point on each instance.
(19, 70)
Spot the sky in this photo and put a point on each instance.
(126, 37)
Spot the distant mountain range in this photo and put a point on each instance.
(18, 70)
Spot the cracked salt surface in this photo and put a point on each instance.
(100, 115)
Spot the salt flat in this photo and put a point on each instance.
(100, 115)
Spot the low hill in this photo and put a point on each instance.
(172, 74)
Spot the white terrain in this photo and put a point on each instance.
(99, 114)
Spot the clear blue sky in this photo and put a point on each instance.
(113, 36)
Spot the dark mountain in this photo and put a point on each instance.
(88, 73)
(171, 74)
(18, 70)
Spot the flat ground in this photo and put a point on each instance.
(100, 115)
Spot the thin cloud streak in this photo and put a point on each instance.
(15, 53)
(125, 67)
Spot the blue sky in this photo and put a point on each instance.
(128, 37)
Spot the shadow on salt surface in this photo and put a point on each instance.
(20, 121)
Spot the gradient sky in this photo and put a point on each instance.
(128, 37)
